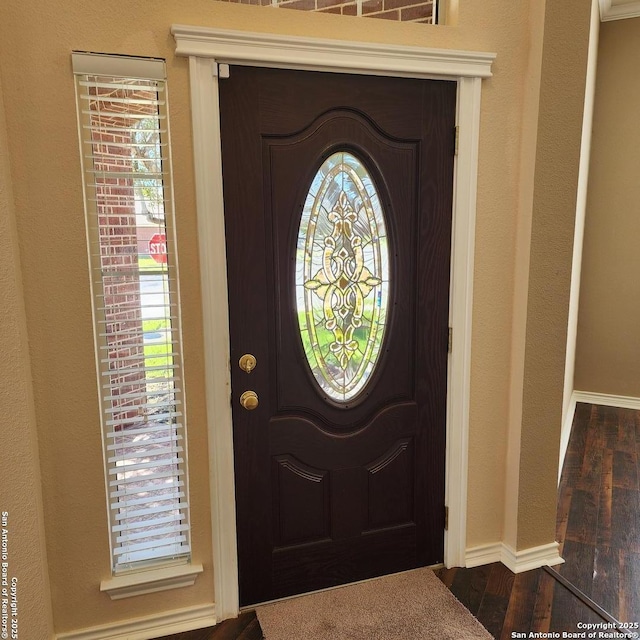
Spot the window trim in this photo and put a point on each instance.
(151, 580)
(171, 571)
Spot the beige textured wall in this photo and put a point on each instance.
(562, 91)
(36, 38)
(552, 131)
(530, 111)
(608, 341)
(20, 495)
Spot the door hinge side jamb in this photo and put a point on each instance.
(450, 340)
(446, 517)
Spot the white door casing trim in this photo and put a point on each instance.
(206, 49)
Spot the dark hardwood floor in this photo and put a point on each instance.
(245, 627)
(598, 527)
(598, 531)
(599, 508)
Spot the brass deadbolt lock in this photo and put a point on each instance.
(247, 362)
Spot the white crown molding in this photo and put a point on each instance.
(617, 10)
(149, 627)
(318, 54)
(515, 561)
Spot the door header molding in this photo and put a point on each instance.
(318, 54)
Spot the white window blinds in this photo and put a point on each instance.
(124, 139)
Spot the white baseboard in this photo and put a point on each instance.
(516, 561)
(150, 626)
(484, 554)
(607, 400)
(532, 558)
(565, 433)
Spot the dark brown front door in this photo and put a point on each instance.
(338, 195)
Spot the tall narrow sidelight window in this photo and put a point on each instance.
(124, 140)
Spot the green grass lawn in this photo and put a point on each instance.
(147, 263)
(161, 324)
(158, 355)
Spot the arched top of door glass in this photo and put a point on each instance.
(342, 276)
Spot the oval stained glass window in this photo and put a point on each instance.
(342, 276)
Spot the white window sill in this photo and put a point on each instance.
(151, 580)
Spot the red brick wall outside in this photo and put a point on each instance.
(400, 10)
(119, 253)
(146, 440)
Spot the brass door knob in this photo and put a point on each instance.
(249, 400)
(247, 362)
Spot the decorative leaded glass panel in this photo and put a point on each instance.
(342, 276)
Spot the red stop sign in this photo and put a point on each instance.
(158, 247)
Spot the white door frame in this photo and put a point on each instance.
(209, 51)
